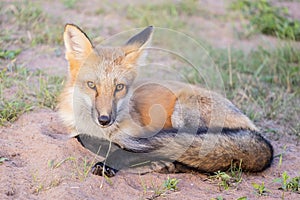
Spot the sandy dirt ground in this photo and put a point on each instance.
(42, 163)
(38, 139)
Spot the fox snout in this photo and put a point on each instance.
(104, 120)
(104, 110)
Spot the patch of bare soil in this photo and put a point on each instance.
(43, 164)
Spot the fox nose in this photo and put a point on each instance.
(104, 120)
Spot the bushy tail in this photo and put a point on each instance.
(210, 150)
(205, 150)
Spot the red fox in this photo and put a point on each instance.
(181, 125)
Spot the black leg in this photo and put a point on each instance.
(117, 158)
(99, 169)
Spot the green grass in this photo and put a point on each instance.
(11, 110)
(70, 3)
(3, 159)
(288, 183)
(230, 178)
(278, 67)
(260, 189)
(9, 54)
(294, 184)
(223, 179)
(263, 83)
(169, 185)
(268, 19)
(48, 89)
(80, 168)
(22, 90)
(26, 23)
(48, 179)
(217, 198)
(167, 15)
(242, 198)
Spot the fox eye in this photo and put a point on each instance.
(91, 85)
(119, 87)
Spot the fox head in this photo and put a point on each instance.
(102, 76)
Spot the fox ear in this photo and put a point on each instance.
(135, 45)
(78, 46)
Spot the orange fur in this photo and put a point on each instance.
(78, 48)
(145, 103)
(132, 55)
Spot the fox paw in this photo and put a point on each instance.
(100, 169)
(163, 167)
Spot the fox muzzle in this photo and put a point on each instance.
(104, 120)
